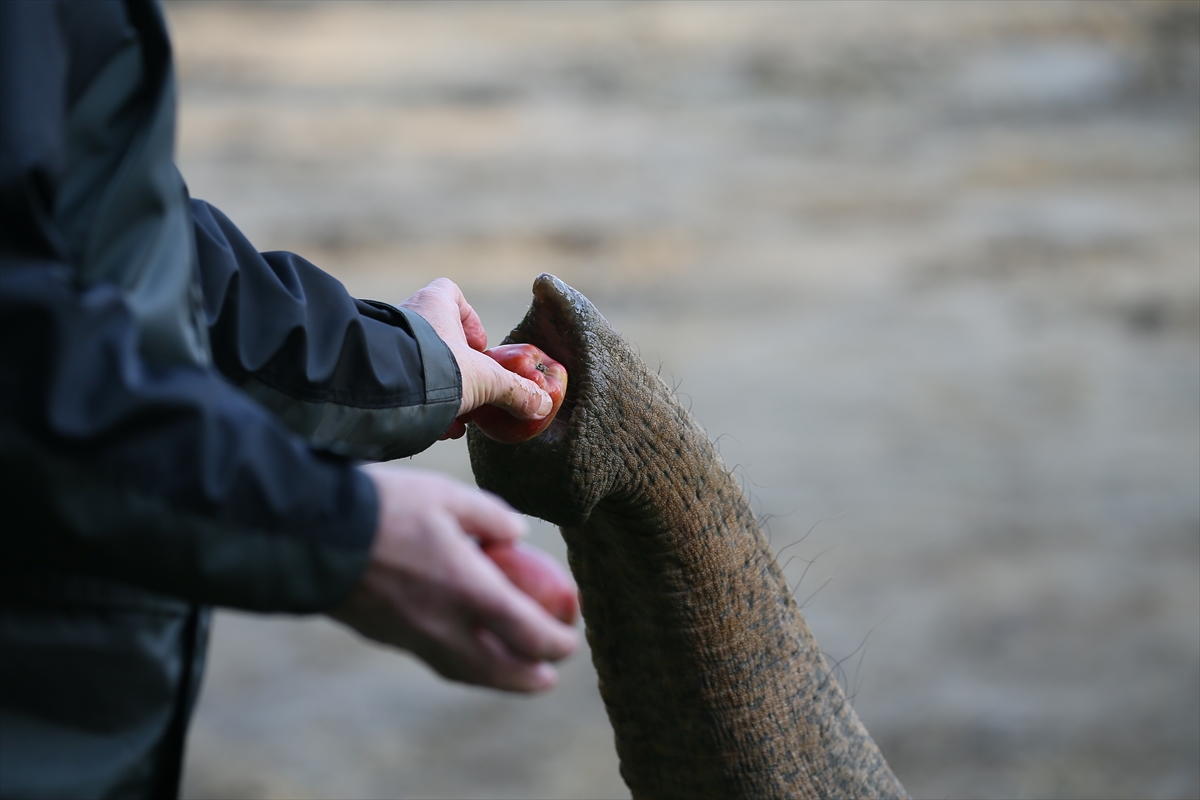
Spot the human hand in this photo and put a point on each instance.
(430, 589)
(485, 382)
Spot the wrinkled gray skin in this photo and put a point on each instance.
(712, 681)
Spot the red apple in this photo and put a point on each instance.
(538, 575)
(531, 363)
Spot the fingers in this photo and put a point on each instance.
(456, 430)
(511, 672)
(429, 587)
(526, 628)
(486, 517)
(412, 498)
(444, 307)
(514, 640)
(529, 401)
(445, 635)
(501, 637)
(485, 382)
(471, 324)
(479, 657)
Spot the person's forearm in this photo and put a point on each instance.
(356, 377)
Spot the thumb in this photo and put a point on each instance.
(485, 382)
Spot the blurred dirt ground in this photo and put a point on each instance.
(930, 271)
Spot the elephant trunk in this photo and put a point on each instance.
(712, 681)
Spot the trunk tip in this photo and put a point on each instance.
(547, 287)
(563, 302)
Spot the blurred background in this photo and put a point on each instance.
(931, 272)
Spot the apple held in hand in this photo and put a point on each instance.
(532, 364)
(538, 575)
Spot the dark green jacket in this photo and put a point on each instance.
(177, 411)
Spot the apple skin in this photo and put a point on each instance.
(532, 364)
(538, 575)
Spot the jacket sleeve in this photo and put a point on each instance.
(162, 475)
(359, 378)
(115, 462)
